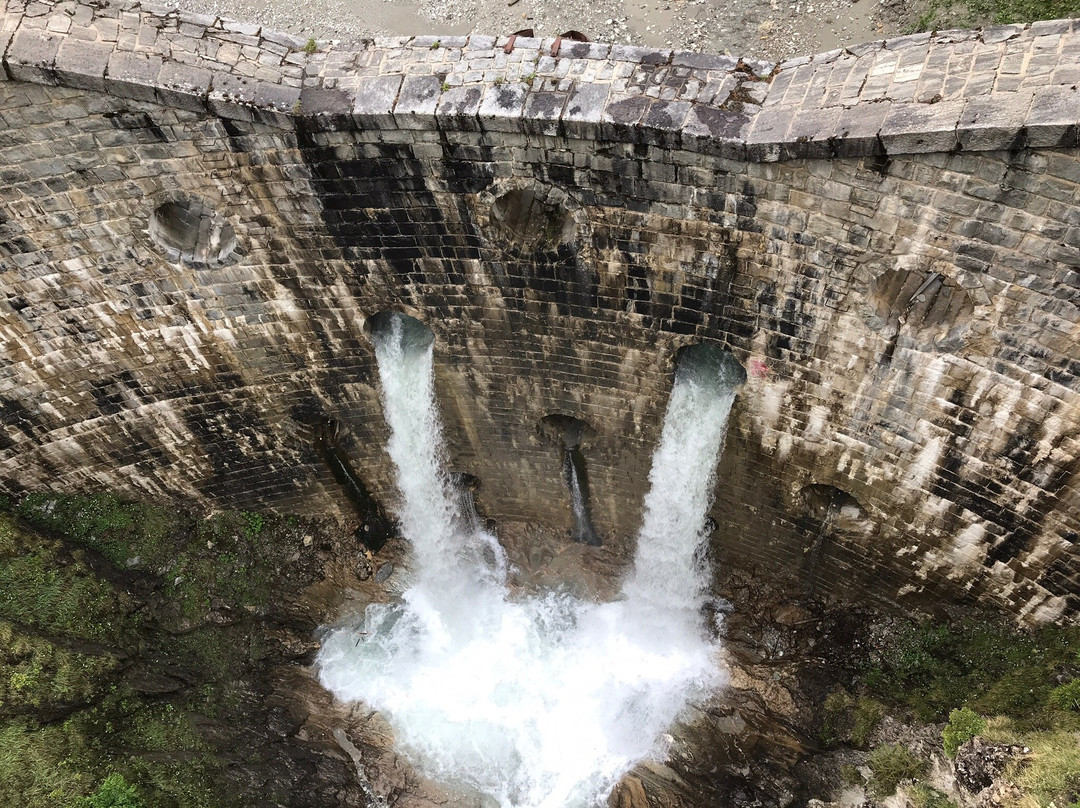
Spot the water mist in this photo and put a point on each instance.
(544, 701)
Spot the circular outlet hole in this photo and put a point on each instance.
(187, 230)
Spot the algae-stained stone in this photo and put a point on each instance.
(417, 101)
(501, 107)
(584, 109)
(542, 112)
(133, 75)
(31, 56)
(663, 122)
(461, 105)
(621, 116)
(323, 101)
(717, 131)
(703, 61)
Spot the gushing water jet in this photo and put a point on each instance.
(545, 701)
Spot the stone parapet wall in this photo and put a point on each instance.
(187, 266)
(976, 90)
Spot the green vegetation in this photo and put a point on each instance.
(937, 15)
(891, 765)
(851, 775)
(1050, 772)
(114, 792)
(35, 672)
(964, 724)
(1066, 696)
(311, 46)
(849, 719)
(868, 714)
(1027, 682)
(930, 669)
(923, 796)
(128, 641)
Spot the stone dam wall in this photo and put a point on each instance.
(198, 218)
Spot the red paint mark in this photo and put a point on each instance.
(758, 369)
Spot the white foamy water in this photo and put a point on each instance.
(545, 701)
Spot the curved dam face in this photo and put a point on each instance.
(199, 217)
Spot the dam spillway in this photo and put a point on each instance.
(202, 216)
(540, 699)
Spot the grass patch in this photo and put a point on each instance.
(890, 766)
(44, 586)
(36, 673)
(118, 529)
(923, 796)
(991, 667)
(848, 719)
(937, 15)
(1051, 773)
(91, 585)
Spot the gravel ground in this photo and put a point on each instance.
(765, 29)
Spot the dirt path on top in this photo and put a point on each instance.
(764, 29)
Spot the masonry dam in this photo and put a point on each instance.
(200, 218)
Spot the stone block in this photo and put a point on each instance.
(480, 42)
(639, 55)
(703, 61)
(133, 75)
(501, 107)
(858, 129)
(1001, 33)
(663, 122)
(183, 86)
(275, 104)
(584, 109)
(993, 121)
(417, 101)
(717, 131)
(81, 64)
(1054, 117)
(542, 112)
(459, 108)
(31, 56)
(373, 105)
(920, 128)
(621, 116)
(584, 50)
(811, 133)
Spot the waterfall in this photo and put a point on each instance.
(542, 701)
(667, 585)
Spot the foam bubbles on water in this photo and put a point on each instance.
(546, 700)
